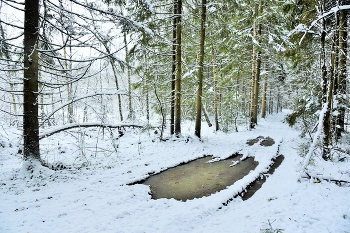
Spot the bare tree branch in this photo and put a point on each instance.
(80, 98)
(85, 125)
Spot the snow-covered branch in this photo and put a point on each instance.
(333, 10)
(319, 178)
(306, 30)
(84, 125)
(316, 138)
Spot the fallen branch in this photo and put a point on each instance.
(315, 139)
(341, 150)
(318, 179)
(206, 116)
(84, 125)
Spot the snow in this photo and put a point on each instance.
(93, 195)
(316, 137)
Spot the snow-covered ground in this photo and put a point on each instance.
(92, 195)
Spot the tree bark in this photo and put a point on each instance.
(177, 110)
(216, 114)
(13, 99)
(257, 87)
(30, 83)
(117, 86)
(323, 58)
(325, 123)
(257, 66)
(131, 115)
(343, 36)
(252, 93)
(327, 134)
(263, 104)
(147, 106)
(173, 71)
(206, 116)
(200, 72)
(67, 70)
(111, 61)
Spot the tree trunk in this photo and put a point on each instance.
(69, 92)
(178, 70)
(13, 99)
(334, 118)
(323, 58)
(173, 71)
(111, 61)
(257, 66)
(67, 70)
(343, 36)
(42, 110)
(327, 134)
(336, 51)
(117, 86)
(252, 93)
(30, 83)
(161, 111)
(69, 85)
(206, 116)
(216, 114)
(270, 102)
(263, 104)
(131, 115)
(278, 104)
(147, 105)
(145, 89)
(257, 87)
(200, 72)
(85, 116)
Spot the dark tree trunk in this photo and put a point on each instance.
(343, 36)
(323, 58)
(327, 134)
(177, 110)
(30, 82)
(252, 96)
(216, 98)
(173, 72)
(200, 72)
(263, 102)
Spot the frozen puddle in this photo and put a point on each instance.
(199, 178)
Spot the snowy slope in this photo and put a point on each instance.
(93, 195)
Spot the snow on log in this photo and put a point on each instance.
(319, 178)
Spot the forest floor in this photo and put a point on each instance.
(91, 192)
